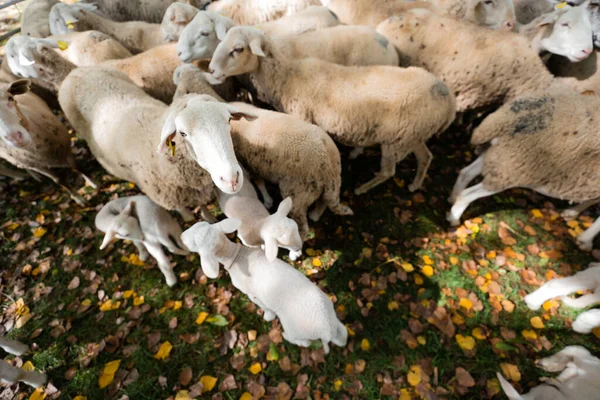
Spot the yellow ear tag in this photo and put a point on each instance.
(561, 5)
(258, 27)
(63, 45)
(70, 24)
(171, 147)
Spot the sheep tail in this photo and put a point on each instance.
(331, 197)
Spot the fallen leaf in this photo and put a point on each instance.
(427, 271)
(408, 267)
(246, 396)
(464, 378)
(365, 345)
(510, 371)
(38, 394)
(255, 368)
(465, 303)
(164, 351)
(39, 232)
(465, 342)
(537, 323)
(529, 334)
(208, 383)
(414, 375)
(183, 395)
(108, 373)
(201, 317)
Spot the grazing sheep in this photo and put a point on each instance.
(176, 18)
(579, 377)
(546, 142)
(588, 279)
(34, 21)
(142, 10)
(272, 148)
(528, 10)
(258, 227)
(370, 13)
(252, 12)
(305, 312)
(123, 127)
(493, 14)
(586, 322)
(33, 138)
(10, 374)
(399, 109)
(148, 226)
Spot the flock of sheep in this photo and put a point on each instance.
(166, 78)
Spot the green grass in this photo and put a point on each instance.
(338, 242)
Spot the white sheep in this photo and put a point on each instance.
(272, 148)
(305, 312)
(587, 321)
(397, 108)
(258, 227)
(593, 7)
(147, 225)
(545, 142)
(309, 19)
(123, 127)
(34, 21)
(493, 14)
(528, 10)
(370, 13)
(141, 10)
(579, 377)
(189, 79)
(10, 374)
(252, 12)
(33, 138)
(176, 18)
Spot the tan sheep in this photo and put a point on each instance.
(252, 12)
(34, 21)
(369, 12)
(141, 10)
(493, 14)
(399, 109)
(176, 18)
(309, 19)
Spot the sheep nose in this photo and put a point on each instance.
(509, 25)
(235, 183)
(211, 71)
(19, 138)
(586, 51)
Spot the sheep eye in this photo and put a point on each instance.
(11, 99)
(183, 134)
(205, 33)
(566, 25)
(488, 2)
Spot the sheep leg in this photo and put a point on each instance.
(10, 374)
(206, 215)
(268, 314)
(302, 200)
(13, 346)
(262, 188)
(12, 173)
(466, 175)
(573, 212)
(465, 198)
(164, 263)
(559, 361)
(316, 214)
(582, 301)
(424, 158)
(141, 250)
(389, 158)
(186, 214)
(586, 239)
(88, 180)
(356, 152)
(59, 181)
(587, 321)
(36, 177)
(557, 288)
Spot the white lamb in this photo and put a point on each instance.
(305, 312)
(147, 225)
(397, 108)
(252, 12)
(176, 18)
(10, 374)
(579, 377)
(258, 227)
(587, 321)
(34, 21)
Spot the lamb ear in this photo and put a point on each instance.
(285, 207)
(256, 45)
(169, 129)
(271, 249)
(129, 210)
(21, 86)
(509, 390)
(236, 114)
(550, 18)
(229, 225)
(108, 237)
(222, 25)
(24, 60)
(210, 266)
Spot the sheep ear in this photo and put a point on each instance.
(548, 19)
(236, 114)
(108, 237)
(256, 45)
(285, 207)
(169, 128)
(222, 25)
(24, 61)
(202, 64)
(21, 86)
(210, 266)
(509, 390)
(229, 225)
(130, 210)
(271, 249)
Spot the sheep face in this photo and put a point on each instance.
(571, 34)
(124, 226)
(280, 231)
(203, 123)
(494, 14)
(237, 54)
(13, 124)
(200, 38)
(176, 18)
(208, 241)
(25, 55)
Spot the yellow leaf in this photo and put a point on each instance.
(465, 342)
(537, 323)
(108, 374)
(39, 232)
(163, 351)
(255, 368)
(311, 252)
(128, 293)
(208, 383)
(427, 260)
(177, 305)
(510, 371)
(493, 387)
(246, 396)
(108, 305)
(408, 267)
(393, 305)
(478, 334)
(63, 45)
(427, 271)
(316, 262)
(550, 304)
(365, 345)
(466, 303)
(529, 334)
(537, 213)
(201, 317)
(350, 331)
(138, 301)
(135, 260)
(422, 341)
(457, 319)
(337, 385)
(28, 366)
(86, 302)
(39, 394)
(183, 395)
(79, 397)
(405, 394)
(418, 279)
(453, 260)
(596, 332)
(12, 226)
(414, 375)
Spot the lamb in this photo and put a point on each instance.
(258, 228)
(252, 12)
(493, 14)
(272, 148)
(578, 379)
(151, 11)
(367, 12)
(546, 142)
(116, 117)
(305, 312)
(33, 138)
(176, 18)
(482, 67)
(34, 21)
(148, 226)
(405, 106)
(10, 374)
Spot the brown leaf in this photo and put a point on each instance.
(464, 378)
(74, 284)
(153, 339)
(185, 376)
(505, 236)
(228, 383)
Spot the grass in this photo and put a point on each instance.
(391, 226)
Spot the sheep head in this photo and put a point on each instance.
(63, 17)
(13, 124)
(238, 53)
(176, 18)
(567, 32)
(203, 124)
(200, 38)
(208, 240)
(494, 14)
(26, 56)
(280, 231)
(125, 225)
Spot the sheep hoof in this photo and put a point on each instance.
(569, 214)
(171, 281)
(269, 316)
(144, 256)
(452, 199)
(413, 187)
(314, 216)
(356, 152)
(453, 221)
(344, 210)
(585, 245)
(268, 202)
(294, 255)
(360, 190)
